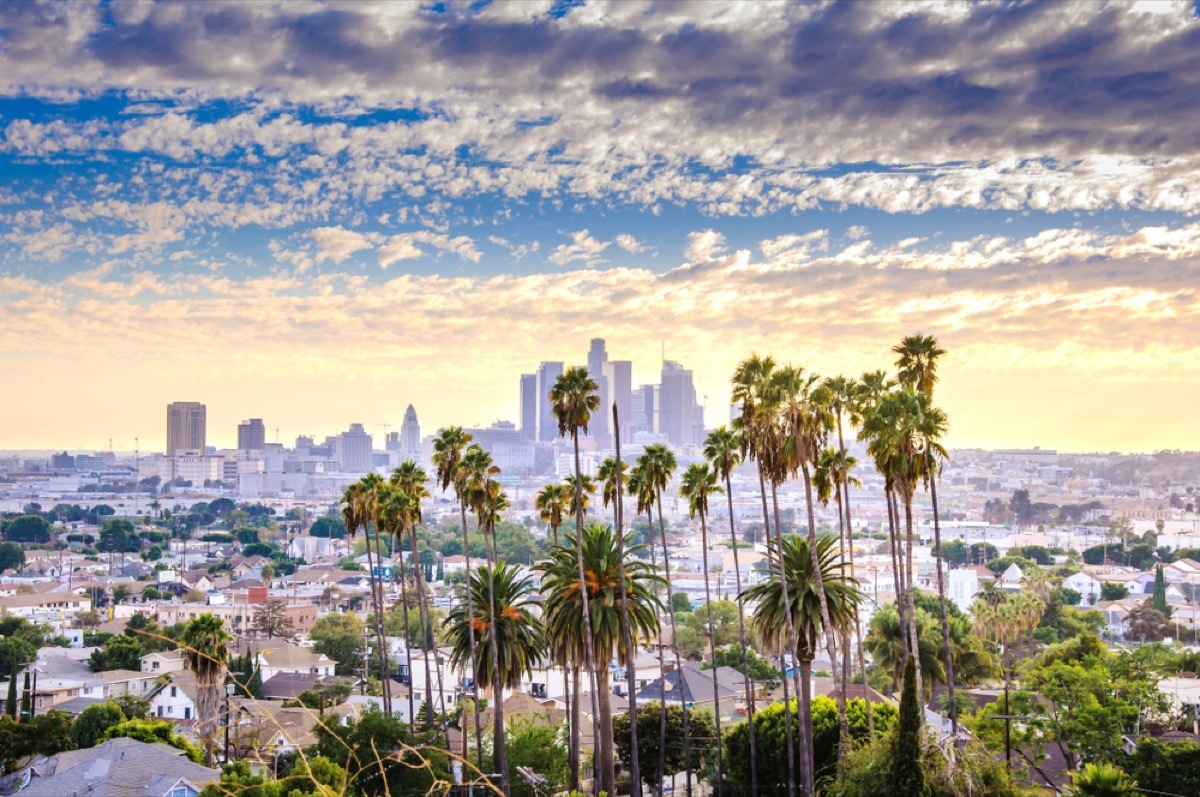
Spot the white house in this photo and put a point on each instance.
(291, 659)
(163, 663)
(1086, 585)
(963, 586)
(174, 701)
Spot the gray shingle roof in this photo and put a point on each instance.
(117, 768)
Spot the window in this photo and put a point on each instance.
(187, 712)
(182, 790)
(155, 667)
(174, 691)
(160, 711)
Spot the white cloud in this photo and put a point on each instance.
(337, 243)
(704, 246)
(631, 244)
(582, 247)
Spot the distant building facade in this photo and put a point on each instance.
(187, 427)
(252, 435)
(548, 373)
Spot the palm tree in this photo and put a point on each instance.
(723, 450)
(448, 461)
(488, 500)
(411, 479)
(918, 356)
(607, 476)
(657, 464)
(604, 568)
(395, 510)
(1102, 780)
(627, 635)
(1038, 581)
(699, 482)
(843, 400)
(358, 512)
(203, 641)
(752, 389)
(887, 643)
(508, 626)
(641, 486)
(552, 504)
(574, 397)
(805, 422)
(798, 568)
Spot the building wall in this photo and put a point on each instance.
(187, 426)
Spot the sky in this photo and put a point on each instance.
(318, 213)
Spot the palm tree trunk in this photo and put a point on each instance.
(426, 629)
(805, 717)
(662, 669)
(741, 604)
(605, 752)
(843, 723)
(372, 576)
(830, 631)
(897, 559)
(687, 730)
(635, 770)
(937, 553)
(806, 771)
(712, 644)
(862, 665)
(385, 670)
(576, 733)
(605, 768)
(912, 609)
(499, 751)
(408, 646)
(471, 645)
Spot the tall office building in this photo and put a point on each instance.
(643, 409)
(679, 414)
(598, 428)
(252, 435)
(410, 435)
(547, 373)
(619, 376)
(187, 427)
(529, 406)
(353, 449)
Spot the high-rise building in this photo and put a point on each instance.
(410, 435)
(529, 406)
(643, 409)
(187, 427)
(252, 435)
(353, 449)
(679, 413)
(548, 373)
(598, 427)
(619, 376)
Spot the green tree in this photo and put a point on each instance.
(1110, 591)
(652, 745)
(1159, 601)
(771, 737)
(122, 653)
(909, 774)
(15, 653)
(26, 528)
(94, 721)
(12, 556)
(512, 629)
(1102, 780)
(734, 657)
(1165, 767)
(271, 620)
(380, 756)
(203, 642)
(537, 746)
(152, 731)
(339, 635)
(603, 570)
(772, 611)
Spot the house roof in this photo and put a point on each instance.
(291, 656)
(117, 768)
(289, 685)
(688, 684)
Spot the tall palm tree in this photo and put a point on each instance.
(448, 449)
(895, 445)
(699, 482)
(752, 384)
(723, 450)
(203, 642)
(395, 510)
(411, 479)
(574, 397)
(600, 549)
(887, 643)
(916, 364)
(606, 474)
(806, 422)
(798, 568)
(505, 623)
(843, 399)
(641, 486)
(358, 512)
(552, 504)
(658, 465)
(627, 635)
(488, 500)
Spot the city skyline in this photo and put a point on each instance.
(237, 210)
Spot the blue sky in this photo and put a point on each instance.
(317, 213)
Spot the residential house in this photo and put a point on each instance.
(289, 685)
(64, 604)
(163, 662)
(120, 767)
(175, 700)
(285, 658)
(694, 687)
(1086, 585)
